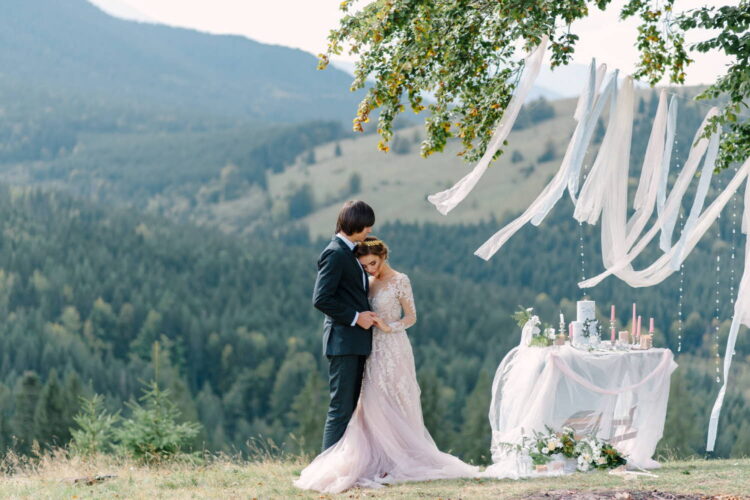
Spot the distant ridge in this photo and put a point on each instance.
(72, 45)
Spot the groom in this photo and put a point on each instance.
(341, 294)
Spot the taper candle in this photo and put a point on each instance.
(638, 332)
(651, 326)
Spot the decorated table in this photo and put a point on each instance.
(615, 394)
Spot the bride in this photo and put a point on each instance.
(386, 440)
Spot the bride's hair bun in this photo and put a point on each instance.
(372, 246)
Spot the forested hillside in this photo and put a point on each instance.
(86, 291)
(169, 186)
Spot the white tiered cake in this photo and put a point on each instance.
(585, 318)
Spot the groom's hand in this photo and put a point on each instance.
(366, 319)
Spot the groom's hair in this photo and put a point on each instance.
(354, 217)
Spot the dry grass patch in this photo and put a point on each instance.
(53, 476)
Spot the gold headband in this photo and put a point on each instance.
(372, 243)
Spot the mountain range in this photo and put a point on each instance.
(73, 46)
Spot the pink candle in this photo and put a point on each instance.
(612, 334)
(638, 334)
(612, 316)
(570, 331)
(651, 326)
(632, 329)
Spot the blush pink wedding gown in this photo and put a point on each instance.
(386, 440)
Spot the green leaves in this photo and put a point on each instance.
(468, 57)
(665, 50)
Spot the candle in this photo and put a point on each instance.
(612, 315)
(562, 319)
(651, 326)
(624, 337)
(638, 332)
(570, 331)
(646, 342)
(632, 329)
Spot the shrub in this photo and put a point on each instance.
(152, 434)
(95, 431)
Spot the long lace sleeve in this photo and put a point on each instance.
(406, 299)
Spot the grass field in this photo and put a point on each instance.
(271, 479)
(397, 185)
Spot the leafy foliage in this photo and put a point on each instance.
(465, 55)
(663, 50)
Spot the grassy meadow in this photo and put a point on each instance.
(223, 477)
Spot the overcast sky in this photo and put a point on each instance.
(305, 24)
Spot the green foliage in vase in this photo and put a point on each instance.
(522, 315)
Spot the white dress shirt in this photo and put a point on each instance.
(351, 246)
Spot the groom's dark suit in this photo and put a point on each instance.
(340, 293)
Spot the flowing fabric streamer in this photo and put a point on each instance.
(741, 317)
(651, 174)
(577, 158)
(661, 196)
(700, 198)
(612, 199)
(659, 270)
(589, 204)
(445, 201)
(622, 268)
(591, 107)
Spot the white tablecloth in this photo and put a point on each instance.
(620, 396)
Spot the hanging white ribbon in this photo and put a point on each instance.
(589, 126)
(661, 196)
(621, 268)
(591, 107)
(590, 200)
(700, 198)
(447, 200)
(741, 317)
(648, 186)
(659, 270)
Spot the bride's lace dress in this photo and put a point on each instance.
(386, 440)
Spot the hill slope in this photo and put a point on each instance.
(72, 45)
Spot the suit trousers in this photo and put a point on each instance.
(345, 380)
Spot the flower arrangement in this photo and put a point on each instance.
(523, 315)
(588, 452)
(539, 337)
(543, 445)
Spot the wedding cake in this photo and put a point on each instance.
(584, 327)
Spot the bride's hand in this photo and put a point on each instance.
(382, 326)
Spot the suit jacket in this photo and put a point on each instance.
(340, 294)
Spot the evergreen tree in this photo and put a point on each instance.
(301, 202)
(475, 434)
(355, 183)
(52, 415)
(308, 413)
(27, 393)
(310, 157)
(684, 430)
(550, 152)
(435, 401)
